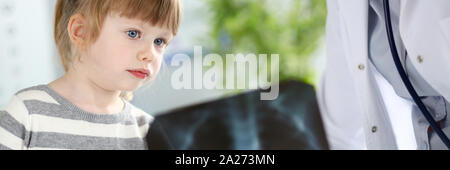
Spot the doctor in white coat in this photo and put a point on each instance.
(363, 101)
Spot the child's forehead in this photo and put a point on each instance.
(119, 19)
(159, 13)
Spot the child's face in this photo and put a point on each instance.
(125, 50)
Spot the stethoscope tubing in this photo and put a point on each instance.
(405, 79)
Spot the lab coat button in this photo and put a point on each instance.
(361, 67)
(374, 129)
(419, 59)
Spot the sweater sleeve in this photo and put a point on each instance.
(14, 122)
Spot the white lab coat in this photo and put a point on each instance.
(352, 108)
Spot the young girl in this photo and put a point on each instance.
(108, 49)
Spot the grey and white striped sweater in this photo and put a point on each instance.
(38, 118)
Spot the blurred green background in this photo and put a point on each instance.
(294, 31)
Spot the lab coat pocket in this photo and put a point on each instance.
(445, 27)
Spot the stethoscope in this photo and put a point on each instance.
(405, 79)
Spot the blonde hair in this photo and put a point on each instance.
(166, 13)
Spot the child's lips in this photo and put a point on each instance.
(140, 73)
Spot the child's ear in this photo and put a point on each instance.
(77, 30)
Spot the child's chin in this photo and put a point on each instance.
(131, 87)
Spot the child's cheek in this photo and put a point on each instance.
(120, 53)
(156, 66)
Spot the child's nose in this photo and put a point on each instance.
(147, 54)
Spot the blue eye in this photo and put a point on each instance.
(159, 42)
(133, 34)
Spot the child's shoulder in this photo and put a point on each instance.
(19, 104)
(32, 88)
(38, 92)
